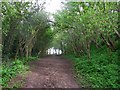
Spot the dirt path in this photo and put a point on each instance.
(50, 72)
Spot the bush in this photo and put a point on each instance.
(15, 67)
(101, 71)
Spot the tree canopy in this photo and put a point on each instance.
(80, 24)
(86, 32)
(26, 30)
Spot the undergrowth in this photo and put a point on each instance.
(12, 69)
(102, 71)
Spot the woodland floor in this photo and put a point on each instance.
(50, 72)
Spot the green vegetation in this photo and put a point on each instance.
(101, 71)
(26, 34)
(89, 35)
(24, 28)
(13, 68)
(86, 32)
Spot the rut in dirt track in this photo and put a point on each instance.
(50, 72)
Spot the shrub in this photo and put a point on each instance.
(15, 67)
(101, 71)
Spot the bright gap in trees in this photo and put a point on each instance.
(54, 51)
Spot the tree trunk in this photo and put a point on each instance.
(26, 49)
(118, 34)
(107, 43)
(88, 50)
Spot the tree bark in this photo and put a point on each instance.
(118, 34)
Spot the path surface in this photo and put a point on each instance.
(50, 72)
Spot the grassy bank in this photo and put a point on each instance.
(102, 71)
(12, 69)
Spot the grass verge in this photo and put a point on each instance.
(12, 69)
(102, 71)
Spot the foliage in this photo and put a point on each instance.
(90, 36)
(101, 72)
(26, 29)
(26, 33)
(14, 68)
(96, 23)
(88, 31)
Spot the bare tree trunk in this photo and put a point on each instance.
(17, 52)
(118, 34)
(109, 43)
(97, 45)
(26, 49)
(88, 50)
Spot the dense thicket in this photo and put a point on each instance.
(83, 24)
(90, 36)
(25, 29)
(26, 34)
(86, 32)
